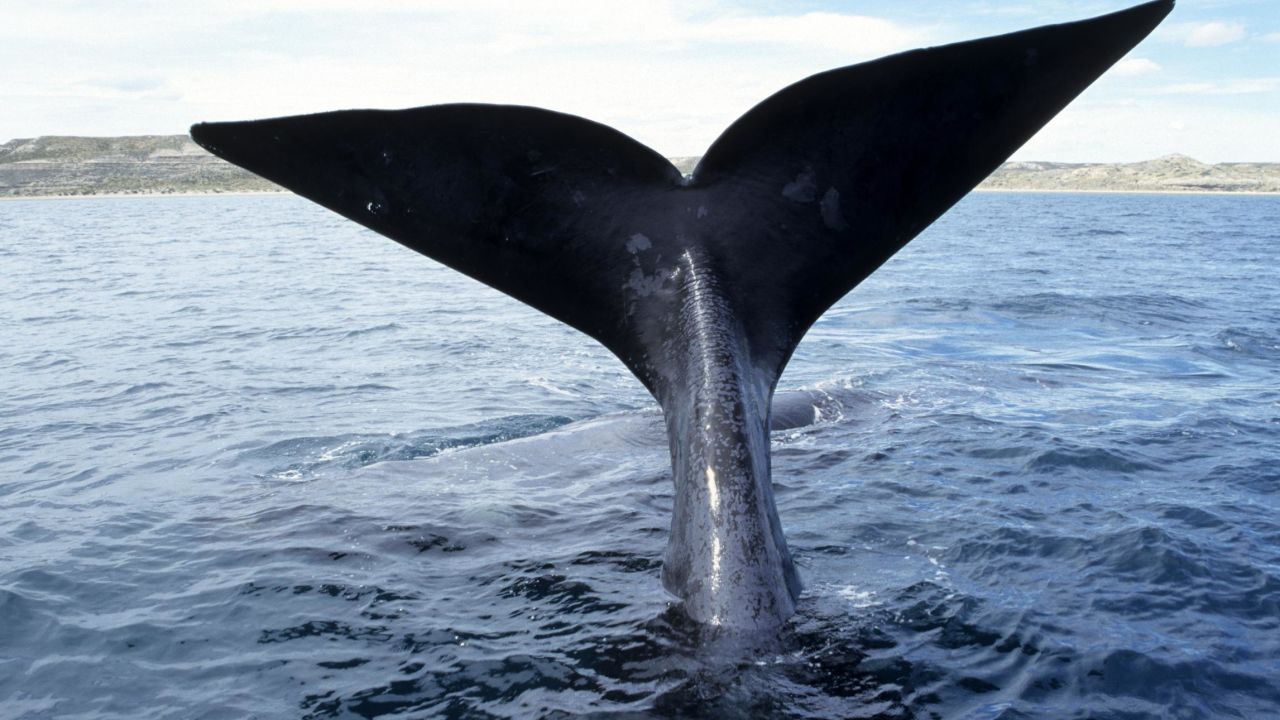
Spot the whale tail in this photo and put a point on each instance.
(793, 205)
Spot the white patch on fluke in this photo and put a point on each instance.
(803, 189)
(830, 207)
(637, 243)
(644, 285)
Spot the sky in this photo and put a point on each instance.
(670, 74)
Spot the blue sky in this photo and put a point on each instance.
(671, 74)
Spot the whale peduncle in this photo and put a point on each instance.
(726, 556)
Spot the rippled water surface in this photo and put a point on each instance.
(258, 462)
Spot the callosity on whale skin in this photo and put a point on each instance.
(704, 285)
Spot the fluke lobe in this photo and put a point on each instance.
(701, 285)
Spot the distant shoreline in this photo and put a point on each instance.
(120, 196)
(1073, 191)
(66, 167)
(256, 193)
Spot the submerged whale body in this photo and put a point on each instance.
(702, 285)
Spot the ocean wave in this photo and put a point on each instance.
(307, 458)
(384, 327)
(1079, 458)
(1253, 343)
(1135, 309)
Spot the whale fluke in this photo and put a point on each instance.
(702, 285)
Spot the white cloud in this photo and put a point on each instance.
(855, 34)
(1272, 37)
(1119, 132)
(1237, 86)
(1130, 67)
(673, 73)
(1212, 34)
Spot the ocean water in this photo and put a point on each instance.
(257, 462)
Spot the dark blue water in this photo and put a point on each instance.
(258, 462)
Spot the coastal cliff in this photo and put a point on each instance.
(141, 165)
(1171, 173)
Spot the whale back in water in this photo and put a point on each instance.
(702, 285)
